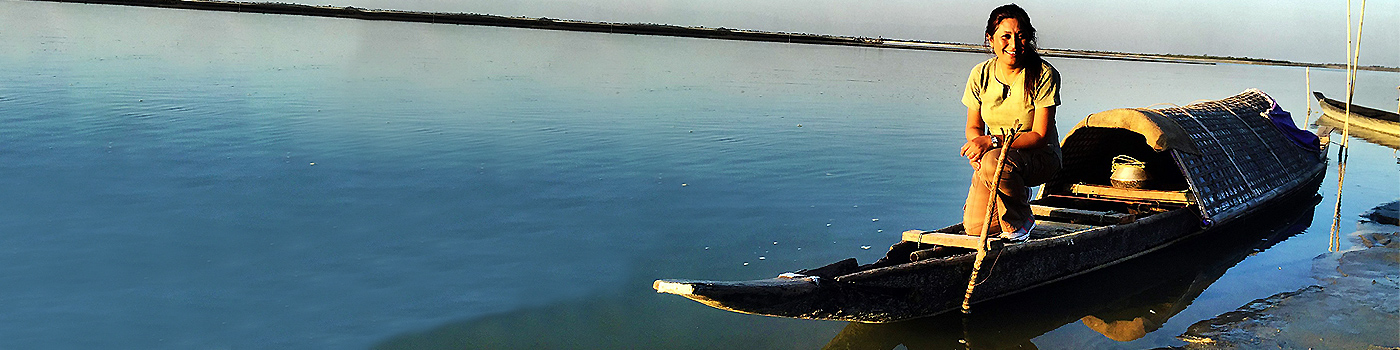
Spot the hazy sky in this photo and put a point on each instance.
(1310, 31)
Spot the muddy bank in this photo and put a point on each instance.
(1388, 214)
(671, 30)
(1354, 305)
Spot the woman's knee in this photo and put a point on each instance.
(987, 166)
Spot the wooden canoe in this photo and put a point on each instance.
(1212, 162)
(1123, 302)
(1378, 126)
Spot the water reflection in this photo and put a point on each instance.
(1123, 302)
(1371, 136)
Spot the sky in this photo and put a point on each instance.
(1305, 31)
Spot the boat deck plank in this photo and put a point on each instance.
(1043, 229)
(1047, 229)
(1082, 216)
(1180, 197)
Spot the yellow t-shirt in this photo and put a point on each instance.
(1004, 103)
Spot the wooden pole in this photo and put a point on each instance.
(1307, 79)
(991, 215)
(1353, 55)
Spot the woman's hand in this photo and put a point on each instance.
(977, 143)
(973, 149)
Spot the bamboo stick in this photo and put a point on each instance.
(990, 216)
(1307, 79)
(1353, 56)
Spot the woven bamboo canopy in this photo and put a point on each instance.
(1227, 153)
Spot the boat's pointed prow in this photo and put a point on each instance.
(669, 287)
(776, 288)
(762, 297)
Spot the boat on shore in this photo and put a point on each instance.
(1209, 163)
(1378, 126)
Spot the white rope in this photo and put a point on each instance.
(1228, 155)
(1256, 136)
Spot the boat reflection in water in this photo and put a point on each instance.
(1124, 302)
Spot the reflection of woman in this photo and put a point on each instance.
(1016, 90)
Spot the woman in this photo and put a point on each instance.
(1016, 90)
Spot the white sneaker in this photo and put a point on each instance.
(1021, 234)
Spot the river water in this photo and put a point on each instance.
(179, 179)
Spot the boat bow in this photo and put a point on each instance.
(741, 295)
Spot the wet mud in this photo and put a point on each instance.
(1354, 305)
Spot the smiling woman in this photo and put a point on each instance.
(1013, 93)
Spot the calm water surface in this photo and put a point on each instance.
(179, 179)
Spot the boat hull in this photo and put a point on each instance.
(930, 287)
(1370, 124)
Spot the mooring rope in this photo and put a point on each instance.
(1353, 55)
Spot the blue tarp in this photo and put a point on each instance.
(1284, 122)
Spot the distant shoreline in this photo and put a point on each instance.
(677, 31)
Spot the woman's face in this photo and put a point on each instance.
(1007, 41)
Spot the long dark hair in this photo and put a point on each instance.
(1030, 60)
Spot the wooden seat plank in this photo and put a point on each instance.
(1082, 216)
(1046, 229)
(950, 240)
(1182, 197)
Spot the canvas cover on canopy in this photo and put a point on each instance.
(1158, 130)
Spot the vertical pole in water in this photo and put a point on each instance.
(1307, 79)
(1353, 55)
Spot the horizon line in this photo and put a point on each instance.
(720, 33)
